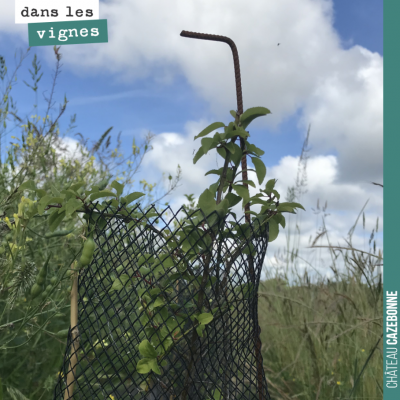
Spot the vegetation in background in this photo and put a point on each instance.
(321, 339)
(31, 350)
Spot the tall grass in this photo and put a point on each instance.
(322, 338)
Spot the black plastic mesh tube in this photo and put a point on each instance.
(139, 258)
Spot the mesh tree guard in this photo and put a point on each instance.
(172, 293)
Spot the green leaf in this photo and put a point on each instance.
(95, 189)
(250, 183)
(207, 202)
(223, 207)
(28, 185)
(166, 343)
(155, 367)
(46, 200)
(289, 205)
(261, 170)
(218, 137)
(32, 211)
(214, 187)
(215, 171)
(49, 235)
(273, 229)
(230, 146)
(229, 134)
(222, 152)
(243, 192)
(256, 200)
(207, 144)
(217, 394)
(198, 155)
(205, 318)
(242, 132)
(211, 220)
(154, 292)
(165, 260)
(200, 330)
(252, 113)
(119, 187)
(133, 196)
(72, 205)
(277, 195)
(102, 184)
(145, 258)
(233, 199)
(103, 193)
(249, 249)
(229, 176)
(233, 113)
(251, 148)
(159, 302)
(270, 185)
(285, 208)
(41, 193)
(76, 186)
(144, 271)
(42, 204)
(145, 365)
(55, 220)
(280, 219)
(147, 350)
(68, 194)
(100, 221)
(209, 129)
(120, 282)
(237, 155)
(55, 191)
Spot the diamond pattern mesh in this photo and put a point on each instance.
(148, 281)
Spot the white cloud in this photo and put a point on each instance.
(346, 113)
(344, 200)
(7, 21)
(338, 91)
(171, 149)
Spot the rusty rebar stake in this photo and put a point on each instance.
(239, 98)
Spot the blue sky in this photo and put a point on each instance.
(327, 71)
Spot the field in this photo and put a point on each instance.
(322, 340)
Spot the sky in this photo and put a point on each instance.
(327, 73)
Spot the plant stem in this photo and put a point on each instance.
(69, 390)
(223, 176)
(195, 335)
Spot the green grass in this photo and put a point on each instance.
(323, 339)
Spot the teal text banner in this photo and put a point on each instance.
(68, 32)
(391, 227)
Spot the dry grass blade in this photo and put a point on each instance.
(352, 328)
(264, 294)
(364, 366)
(347, 248)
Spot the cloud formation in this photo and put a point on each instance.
(344, 200)
(338, 91)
